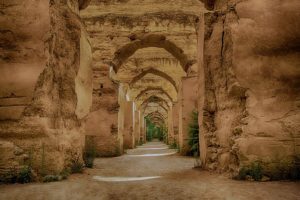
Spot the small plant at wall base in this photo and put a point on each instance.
(89, 153)
(162, 133)
(150, 129)
(76, 166)
(276, 170)
(24, 174)
(254, 171)
(193, 130)
(173, 145)
(57, 177)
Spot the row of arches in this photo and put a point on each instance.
(153, 93)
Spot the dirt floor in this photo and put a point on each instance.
(173, 179)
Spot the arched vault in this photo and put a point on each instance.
(161, 104)
(153, 108)
(158, 89)
(149, 94)
(155, 99)
(156, 113)
(149, 40)
(83, 4)
(155, 72)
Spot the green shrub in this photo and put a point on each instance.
(61, 176)
(287, 169)
(256, 171)
(284, 169)
(43, 161)
(193, 139)
(173, 145)
(242, 175)
(150, 129)
(65, 173)
(253, 171)
(25, 175)
(10, 177)
(89, 153)
(140, 142)
(52, 178)
(76, 165)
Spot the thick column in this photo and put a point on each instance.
(121, 116)
(170, 126)
(201, 90)
(145, 130)
(136, 127)
(142, 128)
(49, 120)
(188, 103)
(175, 118)
(129, 139)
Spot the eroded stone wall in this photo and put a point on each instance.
(47, 129)
(188, 104)
(251, 107)
(114, 24)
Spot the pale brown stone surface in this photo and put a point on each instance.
(251, 71)
(76, 68)
(149, 47)
(47, 40)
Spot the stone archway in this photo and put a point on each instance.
(150, 40)
(159, 89)
(155, 99)
(155, 72)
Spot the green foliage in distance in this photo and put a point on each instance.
(193, 139)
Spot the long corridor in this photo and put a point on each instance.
(150, 172)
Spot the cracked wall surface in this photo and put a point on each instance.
(131, 41)
(47, 128)
(251, 107)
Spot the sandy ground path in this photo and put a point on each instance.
(170, 177)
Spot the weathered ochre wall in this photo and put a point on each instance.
(23, 53)
(175, 118)
(188, 103)
(129, 140)
(170, 137)
(251, 67)
(47, 41)
(102, 122)
(114, 24)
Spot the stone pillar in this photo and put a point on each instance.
(170, 126)
(175, 118)
(121, 116)
(188, 103)
(50, 119)
(142, 127)
(136, 127)
(129, 139)
(201, 89)
(145, 130)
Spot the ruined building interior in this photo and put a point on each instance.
(115, 89)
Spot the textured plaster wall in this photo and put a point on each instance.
(188, 104)
(251, 59)
(45, 43)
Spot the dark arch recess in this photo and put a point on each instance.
(155, 72)
(159, 104)
(83, 4)
(153, 93)
(156, 113)
(153, 88)
(150, 40)
(164, 116)
(154, 99)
